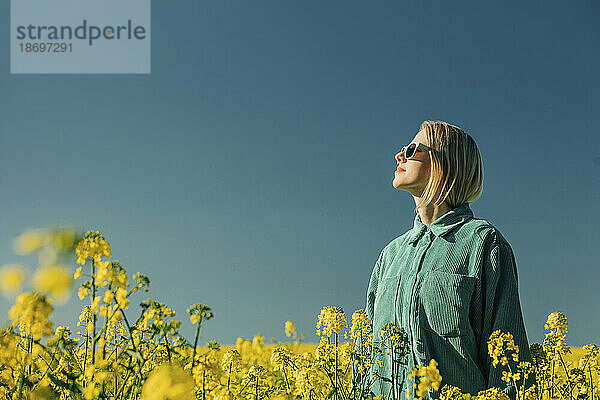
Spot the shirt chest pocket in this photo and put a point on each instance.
(444, 303)
(385, 303)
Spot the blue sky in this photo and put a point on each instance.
(252, 169)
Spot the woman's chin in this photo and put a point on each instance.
(398, 184)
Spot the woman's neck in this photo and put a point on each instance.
(432, 212)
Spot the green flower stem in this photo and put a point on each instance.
(106, 317)
(22, 375)
(228, 378)
(393, 375)
(364, 378)
(86, 347)
(126, 378)
(286, 379)
(256, 387)
(133, 344)
(335, 395)
(93, 315)
(591, 381)
(167, 344)
(513, 379)
(203, 386)
(196, 342)
(552, 378)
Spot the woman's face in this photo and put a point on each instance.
(412, 175)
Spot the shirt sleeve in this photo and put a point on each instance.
(372, 289)
(502, 311)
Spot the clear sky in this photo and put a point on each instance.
(252, 169)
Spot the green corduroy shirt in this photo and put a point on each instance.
(449, 285)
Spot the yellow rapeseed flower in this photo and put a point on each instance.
(231, 360)
(12, 277)
(396, 336)
(331, 320)
(198, 313)
(108, 296)
(429, 378)
(29, 241)
(280, 358)
(91, 392)
(120, 279)
(557, 321)
(8, 348)
(239, 342)
(168, 383)
(31, 313)
(290, 329)
(55, 280)
(325, 351)
(306, 381)
(96, 304)
(121, 298)
(346, 351)
(256, 371)
(450, 392)
(361, 325)
(93, 246)
(258, 340)
(501, 346)
(555, 338)
(104, 310)
(104, 273)
(492, 393)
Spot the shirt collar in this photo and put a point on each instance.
(443, 224)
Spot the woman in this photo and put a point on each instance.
(451, 280)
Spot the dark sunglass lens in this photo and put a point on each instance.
(410, 151)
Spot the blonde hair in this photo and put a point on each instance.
(456, 166)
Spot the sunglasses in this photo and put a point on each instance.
(411, 149)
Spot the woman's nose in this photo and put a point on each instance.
(399, 156)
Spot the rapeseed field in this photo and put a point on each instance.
(115, 355)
